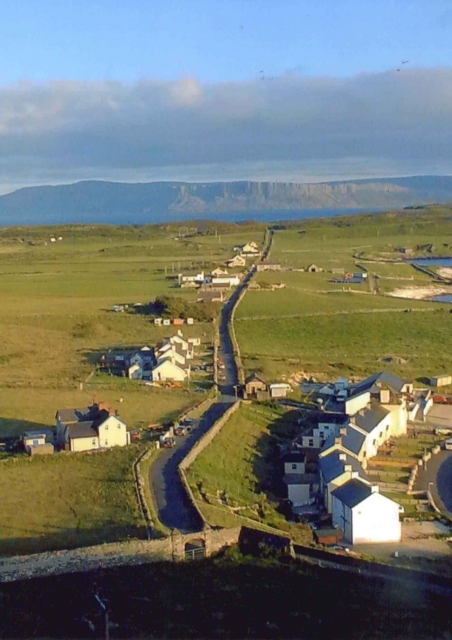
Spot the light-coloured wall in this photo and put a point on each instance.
(376, 519)
(112, 433)
(331, 486)
(85, 444)
(294, 467)
(353, 405)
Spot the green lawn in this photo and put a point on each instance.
(241, 464)
(68, 500)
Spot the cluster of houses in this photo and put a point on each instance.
(168, 362)
(211, 287)
(354, 421)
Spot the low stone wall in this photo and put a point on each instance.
(235, 344)
(135, 552)
(139, 486)
(191, 456)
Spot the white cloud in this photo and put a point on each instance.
(68, 130)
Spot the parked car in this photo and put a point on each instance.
(169, 443)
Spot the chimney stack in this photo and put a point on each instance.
(338, 440)
(343, 431)
(348, 468)
(375, 488)
(355, 474)
(342, 457)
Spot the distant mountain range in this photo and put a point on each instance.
(115, 202)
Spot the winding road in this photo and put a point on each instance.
(173, 507)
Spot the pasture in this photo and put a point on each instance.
(67, 500)
(316, 327)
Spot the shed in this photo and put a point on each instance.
(442, 380)
(178, 321)
(279, 389)
(328, 536)
(40, 450)
(313, 268)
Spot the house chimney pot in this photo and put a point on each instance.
(342, 456)
(355, 474)
(338, 440)
(375, 488)
(343, 431)
(348, 468)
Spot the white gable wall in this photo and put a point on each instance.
(112, 433)
(376, 519)
(353, 405)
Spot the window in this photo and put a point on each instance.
(311, 442)
(364, 454)
(93, 443)
(322, 434)
(381, 434)
(294, 466)
(374, 442)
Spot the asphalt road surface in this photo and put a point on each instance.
(173, 507)
(438, 478)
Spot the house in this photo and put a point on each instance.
(255, 386)
(364, 515)
(216, 273)
(166, 322)
(135, 372)
(268, 266)
(335, 469)
(195, 342)
(173, 355)
(313, 268)
(210, 296)
(190, 321)
(328, 424)
(250, 248)
(168, 371)
(90, 428)
(236, 261)
(158, 321)
(197, 278)
(294, 462)
(279, 389)
(230, 281)
(295, 478)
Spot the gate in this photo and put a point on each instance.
(195, 549)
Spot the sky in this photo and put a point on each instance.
(199, 90)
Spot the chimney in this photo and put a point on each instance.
(342, 457)
(337, 440)
(355, 474)
(375, 488)
(343, 431)
(348, 468)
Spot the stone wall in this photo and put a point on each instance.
(139, 486)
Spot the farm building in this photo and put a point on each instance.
(255, 386)
(268, 266)
(38, 442)
(364, 515)
(443, 380)
(313, 268)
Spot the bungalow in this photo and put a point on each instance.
(364, 515)
(268, 266)
(168, 371)
(255, 386)
(197, 278)
(231, 281)
(210, 296)
(236, 261)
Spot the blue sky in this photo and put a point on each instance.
(217, 40)
(202, 90)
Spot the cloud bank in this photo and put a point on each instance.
(400, 121)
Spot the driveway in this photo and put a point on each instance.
(173, 507)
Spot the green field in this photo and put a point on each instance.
(316, 327)
(55, 321)
(67, 500)
(238, 468)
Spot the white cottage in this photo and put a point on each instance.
(364, 515)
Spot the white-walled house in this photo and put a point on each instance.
(335, 469)
(364, 515)
(90, 428)
(328, 424)
(300, 485)
(168, 371)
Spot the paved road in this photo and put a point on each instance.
(174, 509)
(439, 473)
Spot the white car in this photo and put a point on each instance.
(448, 444)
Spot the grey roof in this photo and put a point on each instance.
(294, 456)
(299, 478)
(333, 417)
(352, 492)
(82, 430)
(369, 418)
(353, 440)
(384, 377)
(332, 466)
(255, 376)
(73, 415)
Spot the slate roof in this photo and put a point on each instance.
(254, 376)
(352, 441)
(294, 456)
(299, 478)
(73, 415)
(352, 492)
(332, 466)
(333, 417)
(367, 419)
(82, 430)
(384, 377)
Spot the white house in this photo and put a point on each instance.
(197, 278)
(173, 355)
(230, 281)
(236, 261)
(336, 469)
(364, 515)
(300, 485)
(168, 371)
(329, 424)
(216, 273)
(90, 428)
